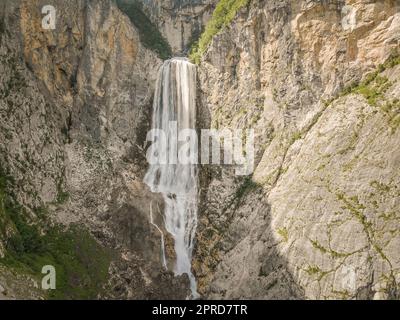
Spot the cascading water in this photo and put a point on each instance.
(175, 103)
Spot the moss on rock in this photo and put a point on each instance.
(81, 263)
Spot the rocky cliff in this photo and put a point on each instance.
(318, 81)
(319, 218)
(75, 107)
(180, 21)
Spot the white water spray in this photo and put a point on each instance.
(175, 100)
(164, 260)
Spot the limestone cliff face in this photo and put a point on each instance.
(319, 81)
(180, 21)
(75, 107)
(319, 219)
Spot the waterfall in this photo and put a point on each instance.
(164, 260)
(175, 102)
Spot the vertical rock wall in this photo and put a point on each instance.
(180, 21)
(75, 109)
(319, 217)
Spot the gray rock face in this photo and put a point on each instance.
(180, 21)
(75, 109)
(319, 217)
(31, 137)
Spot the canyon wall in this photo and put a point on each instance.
(75, 109)
(180, 21)
(318, 81)
(318, 219)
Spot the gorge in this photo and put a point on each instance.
(318, 82)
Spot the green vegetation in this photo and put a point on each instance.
(356, 209)
(62, 196)
(351, 145)
(296, 136)
(374, 87)
(247, 186)
(373, 91)
(149, 34)
(392, 111)
(283, 232)
(316, 272)
(379, 186)
(81, 263)
(223, 15)
(332, 253)
(15, 82)
(318, 246)
(312, 270)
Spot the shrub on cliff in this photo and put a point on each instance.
(223, 15)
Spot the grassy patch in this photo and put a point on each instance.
(373, 89)
(318, 246)
(223, 15)
(296, 136)
(149, 34)
(373, 78)
(283, 232)
(62, 195)
(373, 86)
(381, 187)
(392, 111)
(315, 271)
(81, 263)
(247, 185)
(356, 209)
(312, 270)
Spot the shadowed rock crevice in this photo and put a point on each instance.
(259, 271)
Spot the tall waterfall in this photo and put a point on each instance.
(175, 102)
